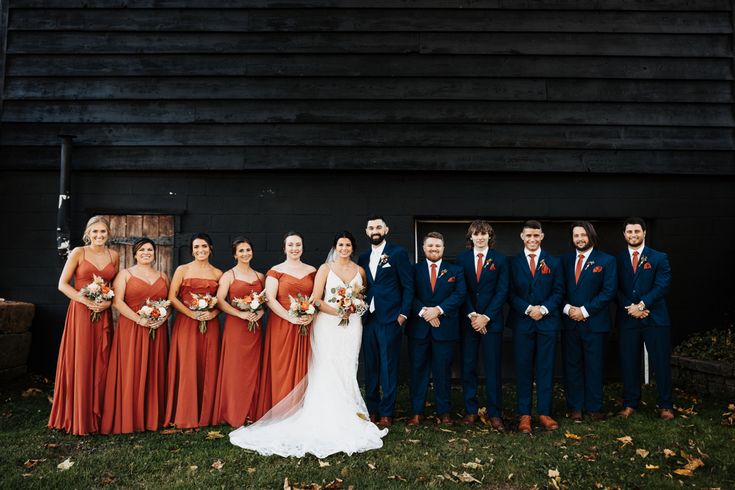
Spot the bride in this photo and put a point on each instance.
(325, 413)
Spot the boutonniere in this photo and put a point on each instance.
(442, 272)
(452, 279)
(644, 259)
(384, 259)
(489, 263)
(545, 269)
(597, 269)
(589, 263)
(647, 265)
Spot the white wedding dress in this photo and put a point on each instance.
(325, 414)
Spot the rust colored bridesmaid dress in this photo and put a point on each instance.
(82, 364)
(136, 375)
(192, 364)
(286, 352)
(239, 366)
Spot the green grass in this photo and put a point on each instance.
(425, 456)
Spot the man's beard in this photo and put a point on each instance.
(586, 247)
(377, 239)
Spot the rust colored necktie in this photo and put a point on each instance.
(478, 268)
(635, 261)
(433, 277)
(532, 264)
(578, 269)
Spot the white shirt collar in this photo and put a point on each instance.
(478, 251)
(379, 249)
(586, 253)
(639, 249)
(527, 252)
(438, 264)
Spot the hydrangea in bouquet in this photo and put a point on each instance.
(301, 306)
(154, 310)
(348, 299)
(97, 291)
(252, 303)
(202, 302)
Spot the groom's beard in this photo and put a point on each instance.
(377, 239)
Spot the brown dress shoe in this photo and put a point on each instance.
(469, 419)
(385, 422)
(374, 418)
(414, 421)
(626, 412)
(666, 414)
(547, 422)
(497, 424)
(445, 419)
(576, 416)
(524, 425)
(597, 416)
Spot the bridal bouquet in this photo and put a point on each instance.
(301, 306)
(154, 310)
(98, 291)
(349, 299)
(252, 303)
(202, 302)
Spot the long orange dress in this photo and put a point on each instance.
(136, 375)
(286, 351)
(193, 361)
(82, 364)
(239, 365)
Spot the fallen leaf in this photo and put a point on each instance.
(465, 477)
(363, 416)
(669, 453)
(396, 477)
(251, 470)
(683, 472)
(692, 462)
(651, 467)
(50, 399)
(214, 434)
(553, 473)
(625, 440)
(50, 445)
(65, 465)
(27, 475)
(107, 479)
(473, 465)
(193, 468)
(218, 464)
(335, 484)
(167, 432)
(570, 435)
(413, 441)
(31, 392)
(510, 476)
(371, 466)
(642, 453)
(30, 463)
(482, 413)
(446, 430)
(324, 464)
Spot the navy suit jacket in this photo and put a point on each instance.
(545, 288)
(649, 284)
(595, 290)
(488, 296)
(392, 287)
(448, 294)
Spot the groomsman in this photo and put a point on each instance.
(486, 274)
(644, 277)
(536, 293)
(389, 294)
(434, 328)
(591, 282)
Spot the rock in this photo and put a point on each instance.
(15, 316)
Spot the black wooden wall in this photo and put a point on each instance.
(264, 115)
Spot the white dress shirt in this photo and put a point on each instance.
(373, 265)
(484, 252)
(536, 259)
(438, 272)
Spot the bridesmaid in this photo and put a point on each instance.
(136, 380)
(194, 356)
(239, 366)
(286, 351)
(85, 345)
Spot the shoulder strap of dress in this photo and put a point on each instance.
(234, 277)
(274, 273)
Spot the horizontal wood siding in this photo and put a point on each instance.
(500, 85)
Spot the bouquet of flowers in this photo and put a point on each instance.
(202, 302)
(98, 291)
(252, 303)
(154, 310)
(349, 299)
(301, 306)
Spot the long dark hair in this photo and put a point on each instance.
(201, 236)
(344, 234)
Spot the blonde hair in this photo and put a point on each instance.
(92, 221)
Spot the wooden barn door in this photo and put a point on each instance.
(127, 229)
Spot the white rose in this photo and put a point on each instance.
(254, 305)
(146, 310)
(162, 311)
(94, 287)
(202, 304)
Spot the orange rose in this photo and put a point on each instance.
(155, 313)
(248, 299)
(105, 290)
(304, 305)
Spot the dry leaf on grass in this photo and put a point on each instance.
(473, 465)
(218, 464)
(553, 473)
(684, 472)
(510, 476)
(65, 465)
(465, 477)
(193, 468)
(651, 467)
(335, 484)
(446, 430)
(30, 463)
(324, 464)
(371, 466)
(692, 462)
(31, 392)
(642, 453)
(397, 477)
(50, 445)
(570, 435)
(625, 440)
(214, 434)
(168, 432)
(250, 470)
(669, 453)
(413, 441)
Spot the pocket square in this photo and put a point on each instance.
(492, 267)
(597, 269)
(647, 265)
(452, 279)
(386, 265)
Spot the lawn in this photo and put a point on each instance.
(694, 451)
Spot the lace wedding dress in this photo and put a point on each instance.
(325, 414)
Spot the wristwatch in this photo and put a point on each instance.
(641, 306)
(317, 304)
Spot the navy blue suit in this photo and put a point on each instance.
(649, 284)
(392, 290)
(433, 348)
(583, 343)
(484, 297)
(545, 288)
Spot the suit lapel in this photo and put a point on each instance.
(386, 251)
(641, 263)
(541, 258)
(587, 265)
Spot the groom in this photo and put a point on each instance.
(389, 294)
